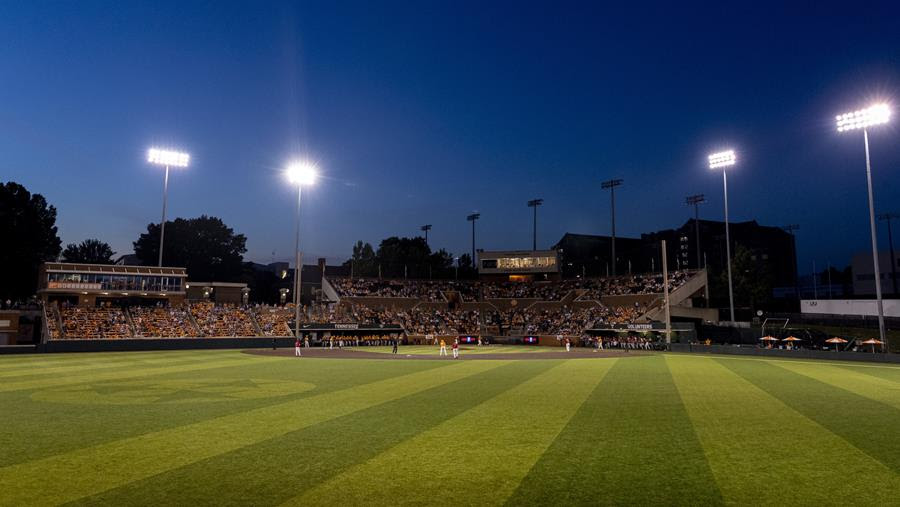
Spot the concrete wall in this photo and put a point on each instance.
(860, 307)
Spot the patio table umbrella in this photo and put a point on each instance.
(873, 342)
(836, 341)
(769, 339)
(791, 340)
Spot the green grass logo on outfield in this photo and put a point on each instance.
(139, 392)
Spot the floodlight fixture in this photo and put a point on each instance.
(169, 158)
(874, 115)
(302, 173)
(722, 159)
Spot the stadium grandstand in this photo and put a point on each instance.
(93, 302)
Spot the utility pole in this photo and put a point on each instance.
(888, 217)
(534, 203)
(790, 230)
(611, 185)
(426, 228)
(695, 201)
(665, 267)
(472, 218)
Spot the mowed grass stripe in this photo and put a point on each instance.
(476, 458)
(204, 364)
(100, 365)
(95, 469)
(886, 373)
(300, 460)
(812, 463)
(868, 386)
(631, 442)
(869, 425)
(38, 361)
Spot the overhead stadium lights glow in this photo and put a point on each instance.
(874, 115)
(299, 173)
(877, 114)
(302, 173)
(722, 159)
(167, 157)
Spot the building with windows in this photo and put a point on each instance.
(864, 274)
(518, 265)
(771, 247)
(93, 284)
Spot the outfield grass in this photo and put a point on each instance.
(222, 427)
(432, 350)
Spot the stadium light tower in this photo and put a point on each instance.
(696, 200)
(863, 119)
(888, 217)
(168, 159)
(472, 218)
(611, 185)
(723, 160)
(425, 229)
(299, 173)
(534, 203)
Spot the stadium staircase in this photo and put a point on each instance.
(196, 326)
(329, 291)
(130, 321)
(680, 302)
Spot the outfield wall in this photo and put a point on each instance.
(787, 354)
(160, 344)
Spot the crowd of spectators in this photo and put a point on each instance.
(630, 284)
(222, 321)
(102, 322)
(478, 290)
(162, 322)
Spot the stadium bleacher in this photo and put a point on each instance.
(549, 308)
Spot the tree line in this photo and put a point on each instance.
(205, 246)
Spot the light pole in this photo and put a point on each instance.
(888, 217)
(299, 173)
(534, 203)
(790, 228)
(472, 218)
(696, 200)
(722, 160)
(425, 229)
(611, 185)
(168, 159)
(863, 119)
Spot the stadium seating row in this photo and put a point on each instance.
(590, 288)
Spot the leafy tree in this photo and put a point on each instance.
(465, 262)
(752, 279)
(28, 229)
(209, 249)
(400, 257)
(89, 251)
(441, 264)
(363, 261)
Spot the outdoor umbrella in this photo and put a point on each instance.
(791, 340)
(873, 342)
(769, 339)
(836, 341)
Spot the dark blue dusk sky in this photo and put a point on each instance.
(423, 112)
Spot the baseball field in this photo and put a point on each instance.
(520, 427)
